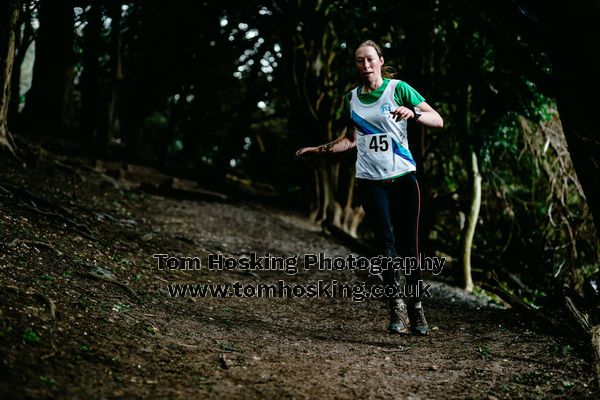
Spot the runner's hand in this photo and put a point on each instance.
(307, 152)
(402, 113)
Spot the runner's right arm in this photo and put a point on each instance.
(343, 143)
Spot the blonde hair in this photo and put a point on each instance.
(386, 70)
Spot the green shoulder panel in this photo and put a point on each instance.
(406, 95)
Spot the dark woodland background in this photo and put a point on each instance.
(225, 92)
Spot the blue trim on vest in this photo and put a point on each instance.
(365, 126)
(397, 148)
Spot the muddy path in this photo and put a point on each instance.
(86, 313)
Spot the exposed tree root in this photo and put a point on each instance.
(587, 327)
(34, 293)
(34, 243)
(552, 324)
(81, 229)
(7, 144)
(48, 301)
(26, 198)
(583, 328)
(99, 277)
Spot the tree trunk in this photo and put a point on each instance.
(169, 132)
(22, 45)
(587, 326)
(9, 17)
(581, 133)
(313, 85)
(471, 221)
(576, 64)
(111, 124)
(595, 340)
(90, 77)
(234, 140)
(49, 102)
(324, 192)
(352, 216)
(472, 214)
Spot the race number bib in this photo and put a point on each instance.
(378, 143)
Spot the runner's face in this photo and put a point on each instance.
(368, 63)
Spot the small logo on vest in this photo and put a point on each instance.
(385, 109)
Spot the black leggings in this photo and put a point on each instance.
(392, 210)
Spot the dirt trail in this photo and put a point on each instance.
(104, 342)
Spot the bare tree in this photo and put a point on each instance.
(9, 18)
(49, 103)
(311, 45)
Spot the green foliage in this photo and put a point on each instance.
(151, 329)
(560, 350)
(252, 81)
(48, 380)
(47, 277)
(487, 296)
(30, 336)
(121, 307)
(484, 352)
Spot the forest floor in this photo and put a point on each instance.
(86, 313)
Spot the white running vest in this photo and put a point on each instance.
(382, 143)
